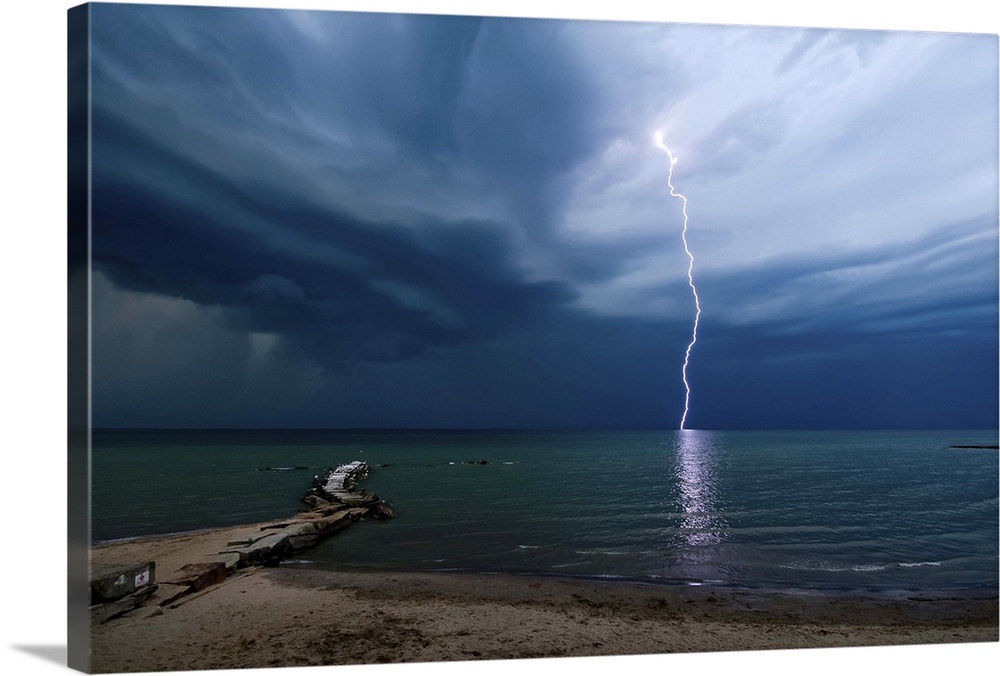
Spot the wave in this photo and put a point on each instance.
(282, 469)
(619, 552)
(858, 568)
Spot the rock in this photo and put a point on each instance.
(382, 510)
(168, 593)
(316, 502)
(299, 529)
(299, 543)
(328, 525)
(200, 576)
(314, 514)
(344, 478)
(230, 560)
(301, 536)
(355, 499)
(268, 548)
(115, 582)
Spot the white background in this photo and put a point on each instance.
(33, 329)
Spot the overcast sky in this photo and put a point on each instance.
(329, 219)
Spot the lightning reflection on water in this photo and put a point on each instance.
(695, 471)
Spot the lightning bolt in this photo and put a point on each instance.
(694, 290)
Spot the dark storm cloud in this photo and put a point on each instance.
(860, 339)
(339, 288)
(350, 219)
(882, 289)
(577, 372)
(184, 96)
(528, 114)
(399, 77)
(505, 103)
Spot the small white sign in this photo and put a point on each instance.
(142, 578)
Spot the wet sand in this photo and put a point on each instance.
(295, 616)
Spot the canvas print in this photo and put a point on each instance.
(427, 338)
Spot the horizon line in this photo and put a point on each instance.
(538, 429)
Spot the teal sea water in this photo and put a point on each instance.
(820, 510)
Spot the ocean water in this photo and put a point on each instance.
(804, 510)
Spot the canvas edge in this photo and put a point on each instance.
(78, 343)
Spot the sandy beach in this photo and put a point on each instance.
(296, 616)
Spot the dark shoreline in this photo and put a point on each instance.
(796, 606)
(971, 592)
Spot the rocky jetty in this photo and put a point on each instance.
(335, 501)
(339, 486)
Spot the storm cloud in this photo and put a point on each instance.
(336, 219)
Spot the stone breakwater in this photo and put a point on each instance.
(335, 501)
(338, 488)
